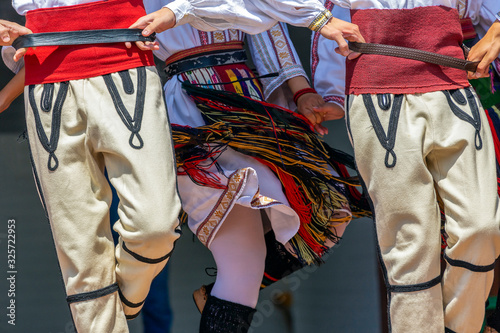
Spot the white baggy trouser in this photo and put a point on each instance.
(408, 147)
(77, 129)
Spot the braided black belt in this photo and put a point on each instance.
(203, 61)
(414, 54)
(82, 37)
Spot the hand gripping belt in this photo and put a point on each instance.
(82, 37)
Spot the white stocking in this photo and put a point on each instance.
(239, 251)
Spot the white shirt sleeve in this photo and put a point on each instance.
(273, 52)
(8, 58)
(483, 14)
(250, 16)
(328, 67)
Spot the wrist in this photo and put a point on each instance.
(302, 92)
(320, 20)
(180, 10)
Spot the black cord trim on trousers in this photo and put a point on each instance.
(457, 96)
(92, 294)
(415, 287)
(370, 202)
(384, 101)
(128, 85)
(47, 96)
(133, 125)
(129, 303)
(130, 317)
(138, 257)
(37, 179)
(144, 259)
(386, 140)
(475, 120)
(447, 330)
(468, 265)
(49, 146)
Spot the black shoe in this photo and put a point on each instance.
(220, 316)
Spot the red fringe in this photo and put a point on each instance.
(198, 173)
(292, 192)
(297, 201)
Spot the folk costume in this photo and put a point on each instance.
(234, 152)
(419, 133)
(87, 108)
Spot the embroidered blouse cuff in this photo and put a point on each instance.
(339, 100)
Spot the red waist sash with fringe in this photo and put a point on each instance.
(50, 64)
(435, 29)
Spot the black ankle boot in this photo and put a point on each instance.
(220, 316)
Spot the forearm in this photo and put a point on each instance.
(12, 90)
(298, 83)
(251, 16)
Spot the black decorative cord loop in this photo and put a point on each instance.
(134, 125)
(458, 97)
(386, 140)
(49, 146)
(47, 96)
(384, 101)
(128, 85)
(475, 120)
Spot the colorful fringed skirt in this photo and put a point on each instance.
(260, 156)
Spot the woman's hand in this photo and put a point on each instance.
(313, 107)
(157, 22)
(485, 51)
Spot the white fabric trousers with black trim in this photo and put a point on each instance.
(77, 129)
(407, 148)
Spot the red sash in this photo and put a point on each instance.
(63, 63)
(436, 29)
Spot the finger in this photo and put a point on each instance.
(19, 29)
(317, 116)
(128, 45)
(140, 45)
(20, 54)
(482, 68)
(343, 47)
(309, 115)
(147, 46)
(141, 23)
(4, 34)
(330, 111)
(353, 55)
(320, 129)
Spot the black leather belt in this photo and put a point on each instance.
(414, 54)
(82, 37)
(210, 60)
